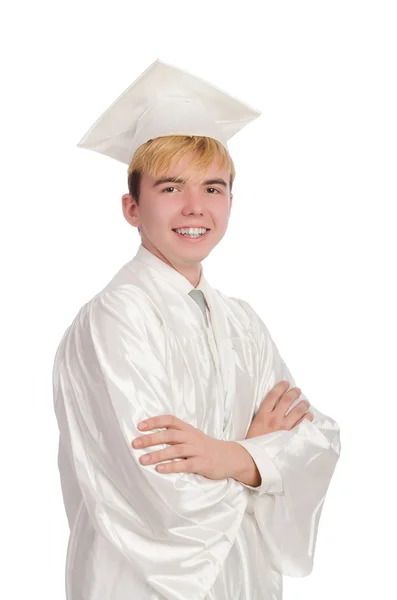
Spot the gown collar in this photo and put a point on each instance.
(178, 280)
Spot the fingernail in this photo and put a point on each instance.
(142, 425)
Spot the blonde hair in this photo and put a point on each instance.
(156, 156)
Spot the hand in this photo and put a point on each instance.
(271, 414)
(204, 455)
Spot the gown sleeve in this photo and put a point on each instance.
(175, 529)
(296, 467)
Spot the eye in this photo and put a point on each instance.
(169, 188)
(214, 190)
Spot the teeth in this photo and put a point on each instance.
(192, 231)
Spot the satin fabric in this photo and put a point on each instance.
(141, 348)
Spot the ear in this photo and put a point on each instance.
(130, 210)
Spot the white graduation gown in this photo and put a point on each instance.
(141, 348)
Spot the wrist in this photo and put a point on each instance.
(245, 469)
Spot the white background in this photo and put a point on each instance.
(311, 242)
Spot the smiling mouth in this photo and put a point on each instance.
(191, 237)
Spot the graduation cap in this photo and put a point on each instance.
(165, 100)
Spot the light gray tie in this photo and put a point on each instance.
(199, 298)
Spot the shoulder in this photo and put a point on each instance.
(125, 309)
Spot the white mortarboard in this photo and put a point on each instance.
(165, 100)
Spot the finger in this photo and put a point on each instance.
(179, 466)
(163, 421)
(166, 436)
(286, 400)
(297, 413)
(308, 416)
(179, 451)
(271, 399)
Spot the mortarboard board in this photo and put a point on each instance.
(165, 100)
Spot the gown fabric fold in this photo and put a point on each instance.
(141, 348)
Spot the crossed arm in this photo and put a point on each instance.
(219, 459)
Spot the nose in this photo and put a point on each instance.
(193, 202)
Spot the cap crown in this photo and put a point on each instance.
(165, 100)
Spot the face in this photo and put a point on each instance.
(169, 202)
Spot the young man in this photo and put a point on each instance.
(246, 461)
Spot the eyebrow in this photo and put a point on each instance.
(168, 180)
(215, 182)
(183, 181)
